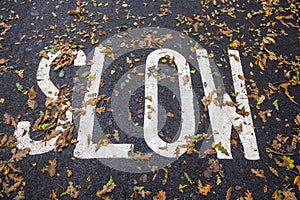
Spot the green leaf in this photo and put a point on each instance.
(138, 188)
(13, 145)
(289, 163)
(221, 148)
(85, 74)
(198, 136)
(61, 73)
(297, 76)
(187, 177)
(41, 113)
(110, 182)
(67, 192)
(52, 50)
(46, 126)
(275, 104)
(236, 30)
(179, 19)
(193, 71)
(19, 87)
(95, 4)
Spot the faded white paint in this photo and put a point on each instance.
(87, 149)
(151, 105)
(49, 89)
(222, 118)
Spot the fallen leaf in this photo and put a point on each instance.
(50, 169)
(19, 154)
(258, 173)
(297, 181)
(228, 193)
(53, 196)
(161, 195)
(140, 156)
(297, 120)
(274, 171)
(107, 188)
(248, 195)
(241, 77)
(100, 110)
(203, 190)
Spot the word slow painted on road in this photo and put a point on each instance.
(222, 118)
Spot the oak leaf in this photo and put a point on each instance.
(258, 173)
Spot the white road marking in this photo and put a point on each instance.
(83, 149)
(223, 117)
(151, 113)
(50, 90)
(247, 135)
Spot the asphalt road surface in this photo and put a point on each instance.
(151, 99)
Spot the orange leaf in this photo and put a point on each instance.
(248, 195)
(258, 173)
(297, 181)
(204, 190)
(273, 171)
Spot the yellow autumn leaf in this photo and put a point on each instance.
(261, 65)
(297, 181)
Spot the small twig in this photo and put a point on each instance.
(268, 150)
(294, 172)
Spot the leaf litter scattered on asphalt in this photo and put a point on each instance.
(255, 41)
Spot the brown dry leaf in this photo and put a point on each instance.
(258, 173)
(31, 98)
(31, 104)
(228, 193)
(161, 195)
(139, 156)
(73, 191)
(18, 182)
(206, 101)
(107, 51)
(186, 79)
(53, 196)
(100, 110)
(203, 190)
(52, 168)
(242, 112)
(3, 61)
(274, 171)
(297, 120)
(265, 188)
(20, 195)
(239, 128)
(19, 154)
(241, 77)
(8, 119)
(262, 116)
(44, 54)
(107, 188)
(235, 57)
(289, 195)
(69, 173)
